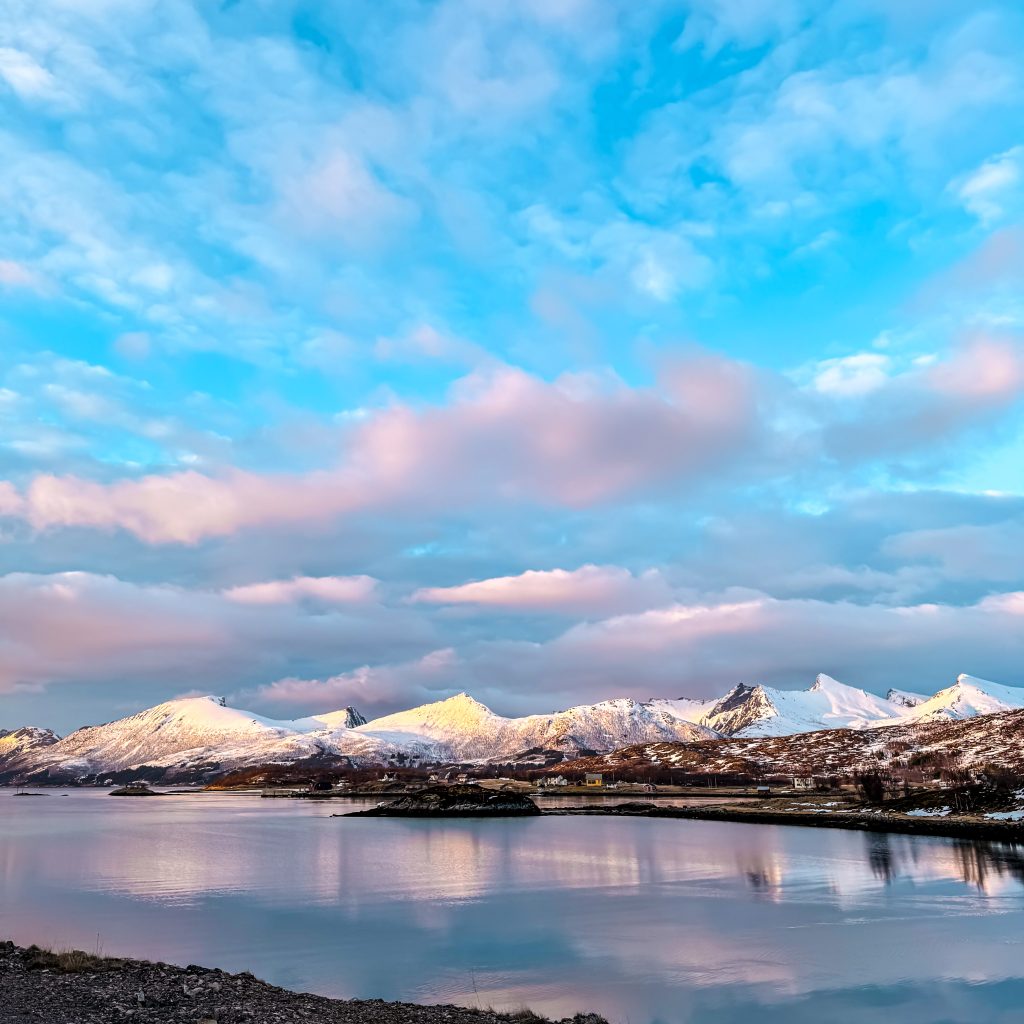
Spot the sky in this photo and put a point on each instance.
(550, 350)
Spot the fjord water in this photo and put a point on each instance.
(640, 920)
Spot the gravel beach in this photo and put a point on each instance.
(78, 988)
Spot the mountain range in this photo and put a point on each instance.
(196, 738)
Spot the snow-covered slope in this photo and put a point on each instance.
(189, 729)
(191, 733)
(18, 741)
(967, 698)
(827, 704)
(685, 709)
(464, 729)
(905, 698)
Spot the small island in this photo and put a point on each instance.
(135, 789)
(453, 802)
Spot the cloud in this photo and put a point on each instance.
(374, 687)
(700, 649)
(994, 187)
(135, 345)
(979, 381)
(583, 591)
(713, 24)
(852, 375)
(338, 199)
(72, 415)
(28, 78)
(424, 343)
(695, 650)
(327, 589)
(17, 275)
(505, 436)
(659, 263)
(156, 639)
(991, 551)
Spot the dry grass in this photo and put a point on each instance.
(68, 961)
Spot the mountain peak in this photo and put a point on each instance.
(460, 700)
(353, 719)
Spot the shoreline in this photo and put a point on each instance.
(74, 987)
(952, 827)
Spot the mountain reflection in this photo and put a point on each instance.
(986, 866)
(646, 920)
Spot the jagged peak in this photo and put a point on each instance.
(353, 719)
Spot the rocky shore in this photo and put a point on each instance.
(79, 988)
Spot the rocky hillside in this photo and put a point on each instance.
(19, 745)
(990, 741)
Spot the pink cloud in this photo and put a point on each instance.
(83, 627)
(697, 650)
(504, 436)
(583, 440)
(399, 685)
(17, 275)
(986, 369)
(182, 507)
(11, 502)
(934, 402)
(591, 588)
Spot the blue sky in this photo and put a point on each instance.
(548, 349)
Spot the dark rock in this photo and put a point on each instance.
(454, 802)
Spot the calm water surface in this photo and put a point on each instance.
(641, 920)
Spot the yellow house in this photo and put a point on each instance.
(594, 779)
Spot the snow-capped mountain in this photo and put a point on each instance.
(827, 704)
(464, 729)
(200, 737)
(968, 697)
(193, 734)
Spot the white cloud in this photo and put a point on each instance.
(25, 75)
(995, 187)
(851, 376)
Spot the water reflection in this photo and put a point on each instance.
(880, 856)
(645, 920)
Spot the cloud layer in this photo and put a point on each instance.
(548, 350)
